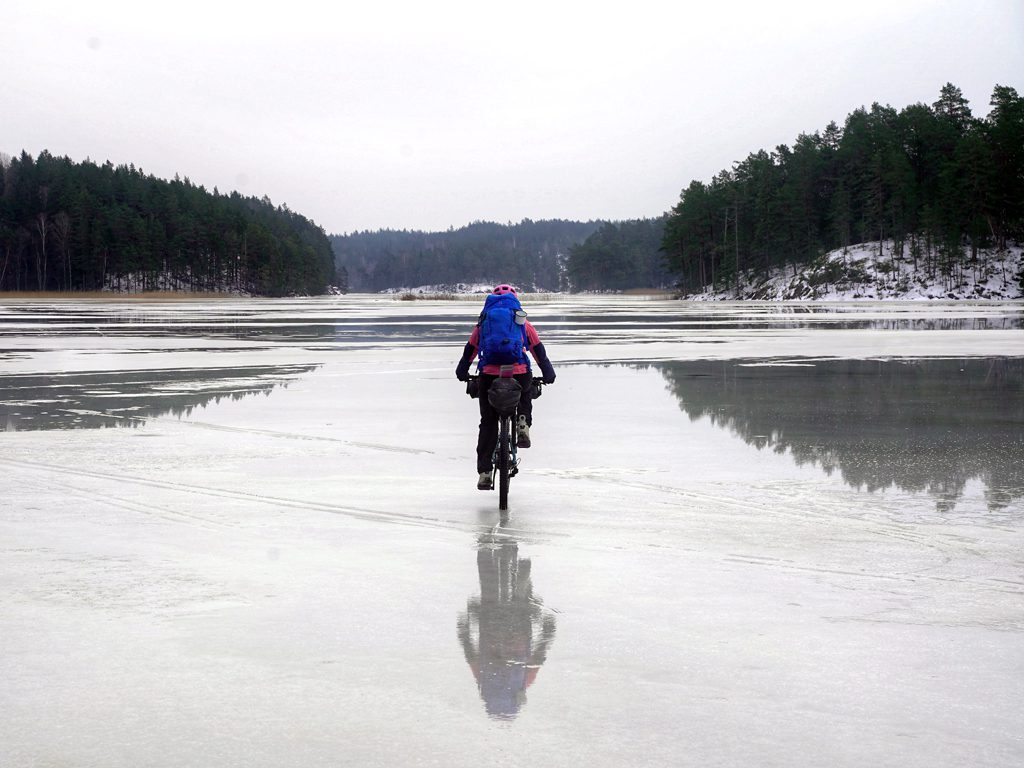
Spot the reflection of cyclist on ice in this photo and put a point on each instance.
(502, 338)
(504, 633)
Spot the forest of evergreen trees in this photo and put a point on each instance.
(530, 254)
(935, 180)
(619, 256)
(68, 226)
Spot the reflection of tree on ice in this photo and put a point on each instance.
(504, 633)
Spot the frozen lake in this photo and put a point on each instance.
(247, 533)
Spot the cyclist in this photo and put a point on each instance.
(488, 435)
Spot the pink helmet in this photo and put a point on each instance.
(505, 288)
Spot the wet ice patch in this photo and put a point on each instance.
(86, 581)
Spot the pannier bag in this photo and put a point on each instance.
(503, 395)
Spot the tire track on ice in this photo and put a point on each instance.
(252, 431)
(876, 527)
(360, 513)
(291, 435)
(153, 510)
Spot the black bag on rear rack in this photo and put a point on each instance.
(503, 395)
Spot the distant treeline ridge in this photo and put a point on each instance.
(530, 254)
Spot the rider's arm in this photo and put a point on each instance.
(468, 354)
(539, 354)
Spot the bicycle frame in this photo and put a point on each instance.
(505, 459)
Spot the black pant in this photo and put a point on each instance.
(488, 436)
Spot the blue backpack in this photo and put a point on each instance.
(502, 339)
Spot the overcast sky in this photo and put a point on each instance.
(434, 114)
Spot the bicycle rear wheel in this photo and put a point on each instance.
(504, 460)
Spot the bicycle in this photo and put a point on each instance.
(504, 395)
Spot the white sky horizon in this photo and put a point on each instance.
(405, 116)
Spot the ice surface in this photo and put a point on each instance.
(246, 532)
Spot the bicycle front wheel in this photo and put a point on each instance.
(504, 461)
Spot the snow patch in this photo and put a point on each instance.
(873, 271)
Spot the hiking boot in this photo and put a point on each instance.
(484, 482)
(523, 433)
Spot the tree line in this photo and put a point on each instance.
(530, 254)
(67, 226)
(619, 256)
(934, 180)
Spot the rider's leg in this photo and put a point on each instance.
(488, 435)
(525, 401)
(525, 411)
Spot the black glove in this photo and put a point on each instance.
(546, 369)
(462, 369)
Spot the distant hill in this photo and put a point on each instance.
(530, 254)
(67, 226)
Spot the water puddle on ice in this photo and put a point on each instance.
(917, 425)
(89, 400)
